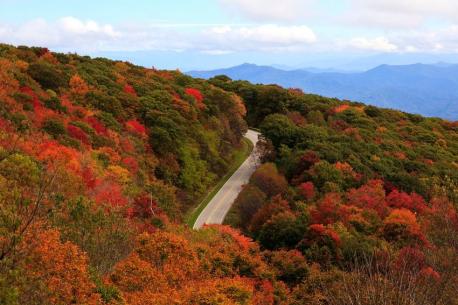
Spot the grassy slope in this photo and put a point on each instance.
(240, 156)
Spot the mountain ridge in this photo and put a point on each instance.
(427, 89)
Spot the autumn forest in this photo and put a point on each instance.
(102, 162)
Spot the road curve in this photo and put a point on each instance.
(217, 208)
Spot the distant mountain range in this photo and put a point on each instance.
(427, 89)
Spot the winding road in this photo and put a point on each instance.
(217, 208)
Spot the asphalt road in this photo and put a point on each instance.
(218, 207)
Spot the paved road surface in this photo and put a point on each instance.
(217, 208)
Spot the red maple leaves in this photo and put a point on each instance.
(198, 97)
(136, 127)
(129, 90)
(78, 133)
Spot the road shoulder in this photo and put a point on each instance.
(240, 157)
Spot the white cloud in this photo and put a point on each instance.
(33, 32)
(67, 32)
(442, 40)
(378, 44)
(270, 10)
(76, 26)
(360, 13)
(72, 34)
(262, 37)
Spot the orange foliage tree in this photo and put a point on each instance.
(78, 86)
(61, 268)
(402, 226)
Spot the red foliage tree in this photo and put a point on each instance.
(195, 93)
(78, 133)
(127, 145)
(136, 127)
(318, 230)
(144, 206)
(307, 190)
(129, 90)
(369, 196)
(131, 164)
(429, 273)
(326, 211)
(245, 243)
(413, 202)
(35, 100)
(198, 97)
(97, 125)
(89, 177)
(309, 159)
(110, 193)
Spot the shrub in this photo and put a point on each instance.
(47, 76)
(54, 127)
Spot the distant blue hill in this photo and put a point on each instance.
(430, 90)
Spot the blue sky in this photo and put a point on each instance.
(113, 11)
(218, 33)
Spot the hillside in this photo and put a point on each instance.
(100, 160)
(430, 90)
(97, 155)
(354, 187)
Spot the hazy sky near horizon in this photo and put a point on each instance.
(212, 29)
